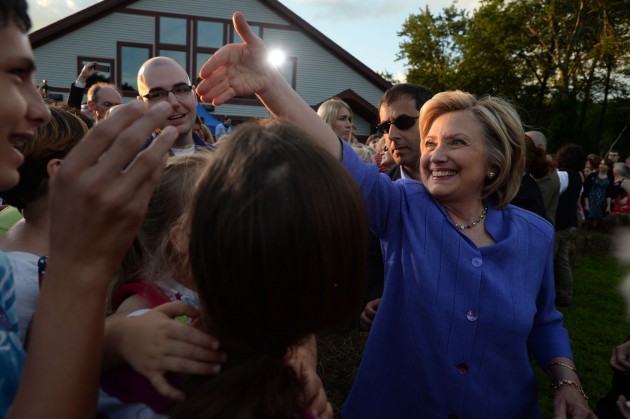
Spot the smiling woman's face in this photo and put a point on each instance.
(453, 161)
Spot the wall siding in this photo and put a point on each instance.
(320, 75)
(57, 60)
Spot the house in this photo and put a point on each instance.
(122, 34)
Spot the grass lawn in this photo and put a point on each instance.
(596, 321)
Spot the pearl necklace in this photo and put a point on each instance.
(474, 223)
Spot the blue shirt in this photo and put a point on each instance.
(456, 323)
(11, 353)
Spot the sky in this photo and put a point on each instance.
(367, 29)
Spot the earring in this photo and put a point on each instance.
(491, 174)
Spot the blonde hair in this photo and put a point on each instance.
(504, 138)
(153, 255)
(380, 145)
(363, 151)
(329, 110)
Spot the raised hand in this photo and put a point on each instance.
(98, 199)
(237, 69)
(244, 69)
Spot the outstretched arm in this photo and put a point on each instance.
(244, 69)
(97, 202)
(156, 343)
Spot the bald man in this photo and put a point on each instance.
(162, 79)
(552, 184)
(538, 138)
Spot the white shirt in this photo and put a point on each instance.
(26, 278)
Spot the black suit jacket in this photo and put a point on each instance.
(394, 173)
(75, 98)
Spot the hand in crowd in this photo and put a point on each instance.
(303, 360)
(624, 408)
(87, 72)
(98, 199)
(620, 357)
(156, 342)
(569, 402)
(368, 314)
(236, 69)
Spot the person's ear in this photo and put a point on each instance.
(91, 105)
(52, 166)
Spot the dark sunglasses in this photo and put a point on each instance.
(403, 122)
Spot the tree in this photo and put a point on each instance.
(560, 61)
(431, 47)
(387, 76)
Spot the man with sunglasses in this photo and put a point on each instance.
(162, 79)
(398, 112)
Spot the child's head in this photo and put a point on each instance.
(166, 209)
(277, 241)
(155, 253)
(51, 143)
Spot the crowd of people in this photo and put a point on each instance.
(156, 273)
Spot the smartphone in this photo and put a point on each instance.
(102, 68)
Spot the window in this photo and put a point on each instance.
(210, 34)
(179, 56)
(237, 38)
(201, 57)
(288, 69)
(173, 31)
(130, 58)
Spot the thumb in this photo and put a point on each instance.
(243, 29)
(177, 308)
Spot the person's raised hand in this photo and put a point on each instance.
(99, 196)
(87, 71)
(236, 69)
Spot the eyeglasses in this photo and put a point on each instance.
(403, 122)
(179, 92)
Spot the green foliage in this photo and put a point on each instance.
(431, 47)
(597, 322)
(387, 76)
(564, 63)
